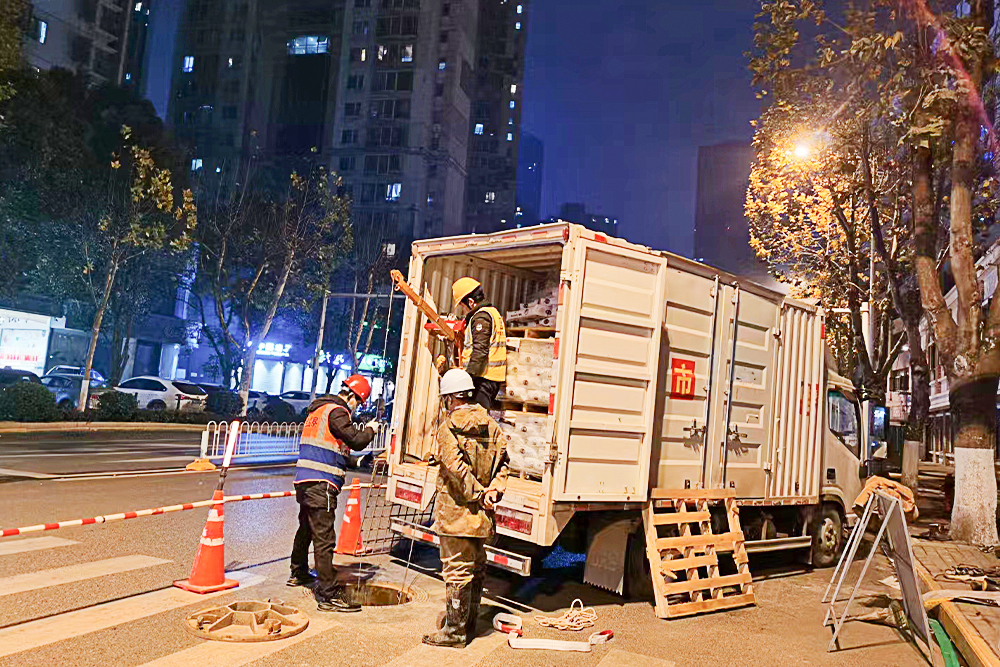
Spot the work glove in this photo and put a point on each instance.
(441, 363)
(374, 425)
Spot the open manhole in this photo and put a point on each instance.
(248, 621)
(382, 594)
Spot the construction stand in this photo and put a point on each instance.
(683, 552)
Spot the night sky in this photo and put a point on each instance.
(622, 94)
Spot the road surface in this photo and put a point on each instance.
(101, 595)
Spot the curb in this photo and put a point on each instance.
(90, 427)
(968, 641)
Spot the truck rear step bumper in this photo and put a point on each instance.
(778, 544)
(505, 560)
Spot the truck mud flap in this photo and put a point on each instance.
(505, 560)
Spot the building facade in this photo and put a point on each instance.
(721, 228)
(103, 39)
(578, 213)
(381, 91)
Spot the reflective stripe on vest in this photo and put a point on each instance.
(496, 366)
(322, 456)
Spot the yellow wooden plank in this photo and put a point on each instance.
(672, 494)
(680, 517)
(689, 608)
(724, 541)
(707, 584)
(653, 556)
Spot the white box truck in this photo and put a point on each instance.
(666, 373)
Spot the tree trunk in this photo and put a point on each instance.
(920, 404)
(973, 516)
(95, 331)
(250, 355)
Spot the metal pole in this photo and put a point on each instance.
(319, 347)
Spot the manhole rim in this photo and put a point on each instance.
(249, 639)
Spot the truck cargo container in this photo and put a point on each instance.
(666, 373)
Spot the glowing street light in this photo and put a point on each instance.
(802, 150)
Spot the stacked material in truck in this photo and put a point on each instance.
(529, 370)
(540, 311)
(528, 436)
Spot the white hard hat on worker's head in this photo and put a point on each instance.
(462, 288)
(456, 381)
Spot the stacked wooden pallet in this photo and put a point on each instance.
(685, 564)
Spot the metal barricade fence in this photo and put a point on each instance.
(268, 439)
(255, 439)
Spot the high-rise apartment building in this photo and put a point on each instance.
(721, 229)
(379, 90)
(491, 196)
(103, 39)
(578, 213)
(530, 155)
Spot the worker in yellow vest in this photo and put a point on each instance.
(484, 356)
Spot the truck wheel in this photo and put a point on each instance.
(638, 581)
(828, 537)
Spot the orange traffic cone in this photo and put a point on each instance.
(209, 572)
(350, 530)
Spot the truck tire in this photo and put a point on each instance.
(638, 581)
(828, 536)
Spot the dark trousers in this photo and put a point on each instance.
(486, 392)
(317, 524)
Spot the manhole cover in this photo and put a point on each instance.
(248, 621)
(379, 595)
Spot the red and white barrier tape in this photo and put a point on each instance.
(108, 518)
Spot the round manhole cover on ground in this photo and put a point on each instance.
(248, 621)
(380, 594)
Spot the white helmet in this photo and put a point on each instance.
(456, 381)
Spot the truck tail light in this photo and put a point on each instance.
(392, 444)
(411, 493)
(519, 522)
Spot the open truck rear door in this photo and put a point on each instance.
(613, 305)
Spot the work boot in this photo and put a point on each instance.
(457, 599)
(338, 601)
(306, 579)
(475, 597)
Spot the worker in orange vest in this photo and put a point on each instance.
(327, 436)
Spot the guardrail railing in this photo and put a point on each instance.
(264, 439)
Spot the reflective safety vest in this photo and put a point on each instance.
(322, 455)
(496, 367)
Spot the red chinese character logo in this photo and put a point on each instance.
(682, 378)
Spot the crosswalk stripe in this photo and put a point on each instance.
(25, 473)
(65, 575)
(616, 658)
(423, 655)
(226, 654)
(61, 627)
(8, 547)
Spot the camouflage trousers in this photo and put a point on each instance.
(462, 559)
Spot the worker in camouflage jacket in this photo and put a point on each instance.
(471, 481)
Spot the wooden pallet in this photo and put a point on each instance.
(685, 567)
(531, 332)
(522, 406)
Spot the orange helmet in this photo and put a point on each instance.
(359, 386)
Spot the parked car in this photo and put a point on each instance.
(298, 400)
(95, 376)
(66, 389)
(153, 393)
(10, 376)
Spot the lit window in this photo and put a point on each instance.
(513, 88)
(512, 104)
(188, 63)
(510, 121)
(479, 128)
(364, 54)
(520, 9)
(196, 164)
(43, 31)
(128, 77)
(218, 170)
(406, 55)
(138, 6)
(517, 26)
(383, 53)
(510, 136)
(491, 197)
(442, 65)
(308, 45)
(392, 191)
(230, 63)
(430, 199)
